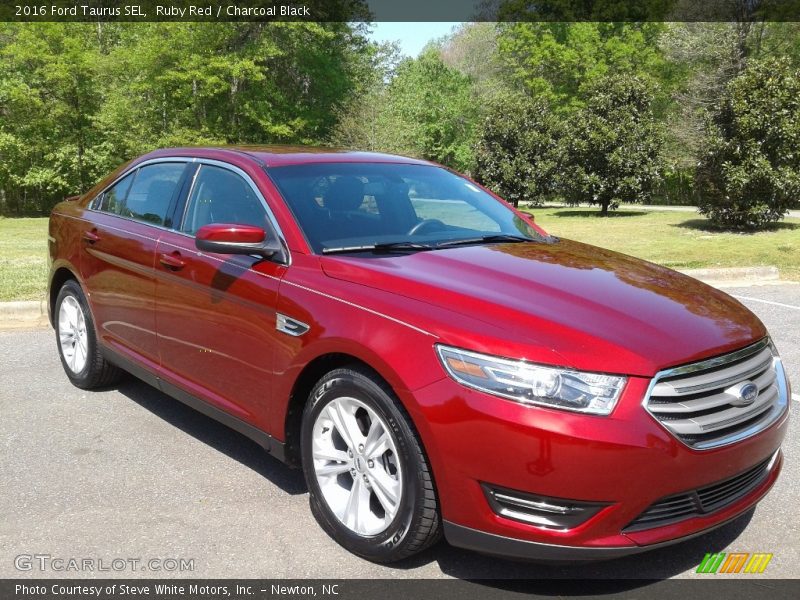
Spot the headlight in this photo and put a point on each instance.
(528, 383)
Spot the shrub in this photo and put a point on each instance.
(613, 144)
(749, 173)
(518, 152)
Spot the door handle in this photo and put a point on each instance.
(173, 261)
(91, 236)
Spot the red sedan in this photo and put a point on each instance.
(432, 359)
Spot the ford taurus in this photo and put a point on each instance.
(434, 361)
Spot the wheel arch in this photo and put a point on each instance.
(301, 389)
(314, 370)
(59, 277)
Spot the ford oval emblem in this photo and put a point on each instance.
(746, 394)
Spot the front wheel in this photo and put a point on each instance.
(80, 353)
(369, 481)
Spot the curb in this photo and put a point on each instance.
(20, 314)
(735, 275)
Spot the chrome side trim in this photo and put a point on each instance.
(290, 326)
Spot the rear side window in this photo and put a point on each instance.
(151, 193)
(113, 199)
(222, 196)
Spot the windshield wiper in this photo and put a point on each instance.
(485, 239)
(383, 247)
(419, 247)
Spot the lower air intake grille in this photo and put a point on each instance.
(721, 400)
(702, 501)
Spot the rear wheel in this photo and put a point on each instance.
(369, 481)
(80, 353)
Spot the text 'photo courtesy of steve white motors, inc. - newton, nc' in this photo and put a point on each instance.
(108, 589)
(164, 11)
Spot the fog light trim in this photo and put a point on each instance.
(540, 511)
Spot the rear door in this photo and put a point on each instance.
(216, 313)
(117, 259)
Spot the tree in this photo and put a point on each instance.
(369, 121)
(77, 99)
(613, 144)
(435, 105)
(561, 60)
(230, 82)
(421, 107)
(48, 97)
(471, 49)
(749, 173)
(518, 153)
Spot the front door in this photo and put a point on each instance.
(216, 313)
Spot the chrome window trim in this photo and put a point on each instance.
(264, 204)
(782, 402)
(201, 161)
(91, 206)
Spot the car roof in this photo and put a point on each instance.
(275, 156)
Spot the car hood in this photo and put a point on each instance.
(595, 308)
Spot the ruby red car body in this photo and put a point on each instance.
(565, 304)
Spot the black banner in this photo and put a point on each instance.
(400, 10)
(740, 588)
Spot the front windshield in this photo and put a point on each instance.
(345, 207)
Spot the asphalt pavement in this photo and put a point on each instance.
(129, 473)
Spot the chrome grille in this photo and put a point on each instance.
(702, 405)
(703, 501)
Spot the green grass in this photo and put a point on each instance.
(23, 259)
(674, 239)
(679, 240)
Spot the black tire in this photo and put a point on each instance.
(416, 525)
(97, 371)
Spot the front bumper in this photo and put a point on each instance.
(498, 545)
(626, 461)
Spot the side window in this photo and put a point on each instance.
(222, 196)
(113, 199)
(150, 195)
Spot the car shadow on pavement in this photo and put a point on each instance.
(215, 434)
(615, 575)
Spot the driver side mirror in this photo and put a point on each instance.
(234, 238)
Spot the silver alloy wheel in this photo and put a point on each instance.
(72, 334)
(357, 466)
